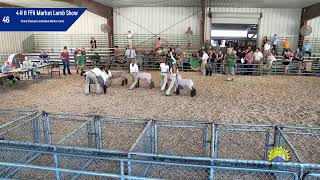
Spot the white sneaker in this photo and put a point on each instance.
(229, 79)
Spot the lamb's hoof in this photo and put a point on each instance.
(122, 83)
(104, 89)
(151, 85)
(126, 81)
(193, 92)
(178, 91)
(138, 84)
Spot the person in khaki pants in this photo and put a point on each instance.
(204, 59)
(134, 73)
(91, 76)
(173, 78)
(164, 69)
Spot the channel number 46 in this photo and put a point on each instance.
(6, 19)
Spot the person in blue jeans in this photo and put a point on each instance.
(65, 60)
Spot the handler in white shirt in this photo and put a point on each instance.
(105, 77)
(92, 76)
(134, 73)
(204, 59)
(164, 68)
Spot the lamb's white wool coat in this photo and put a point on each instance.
(185, 82)
(145, 76)
(118, 75)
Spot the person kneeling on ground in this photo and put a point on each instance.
(99, 77)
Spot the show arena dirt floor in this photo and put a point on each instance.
(249, 99)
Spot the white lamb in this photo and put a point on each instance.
(185, 83)
(145, 76)
(120, 75)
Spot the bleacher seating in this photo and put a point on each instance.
(295, 42)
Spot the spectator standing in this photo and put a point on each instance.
(204, 61)
(249, 61)
(257, 59)
(200, 52)
(210, 64)
(270, 60)
(275, 43)
(129, 37)
(264, 41)
(157, 44)
(93, 43)
(298, 56)
(306, 48)
(287, 58)
(189, 34)
(267, 48)
(64, 56)
(130, 55)
(220, 58)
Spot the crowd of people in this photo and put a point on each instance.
(250, 58)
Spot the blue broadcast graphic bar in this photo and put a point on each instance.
(38, 19)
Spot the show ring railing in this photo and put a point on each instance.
(71, 146)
